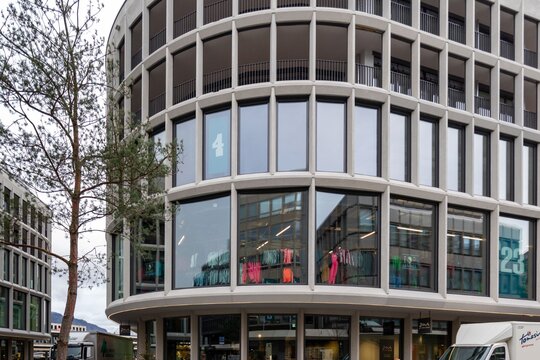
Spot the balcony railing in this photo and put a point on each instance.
(456, 99)
(506, 112)
(136, 58)
(246, 6)
(530, 119)
(217, 80)
(331, 70)
(429, 91)
(157, 40)
(456, 31)
(156, 104)
(292, 69)
(340, 4)
(530, 58)
(368, 75)
(254, 73)
(401, 13)
(292, 3)
(507, 49)
(482, 106)
(429, 23)
(217, 11)
(185, 24)
(184, 91)
(483, 41)
(369, 6)
(400, 83)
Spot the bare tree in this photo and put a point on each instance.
(58, 140)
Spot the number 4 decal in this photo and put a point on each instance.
(218, 145)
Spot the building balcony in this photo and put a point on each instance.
(429, 23)
(339, 4)
(530, 119)
(369, 6)
(401, 12)
(400, 83)
(217, 11)
(482, 106)
(184, 91)
(331, 70)
(136, 58)
(456, 31)
(482, 41)
(429, 91)
(157, 40)
(253, 5)
(185, 24)
(254, 73)
(156, 104)
(292, 69)
(456, 99)
(217, 80)
(507, 50)
(530, 58)
(368, 75)
(292, 3)
(506, 112)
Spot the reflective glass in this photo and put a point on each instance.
(381, 338)
(272, 337)
(412, 244)
(148, 256)
(217, 144)
(4, 306)
(177, 338)
(253, 139)
(467, 258)
(427, 153)
(150, 327)
(506, 169)
(327, 337)
(330, 136)
(366, 140)
(117, 267)
(19, 310)
(157, 184)
(185, 160)
(398, 158)
(347, 239)
(455, 159)
(516, 258)
(35, 313)
(202, 242)
(219, 337)
(431, 345)
(481, 164)
(272, 236)
(292, 136)
(529, 174)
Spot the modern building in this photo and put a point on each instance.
(25, 292)
(347, 170)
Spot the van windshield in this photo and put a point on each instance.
(465, 353)
(74, 352)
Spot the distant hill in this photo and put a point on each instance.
(57, 318)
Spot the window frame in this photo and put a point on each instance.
(462, 155)
(299, 99)
(374, 106)
(183, 119)
(408, 142)
(331, 100)
(253, 102)
(435, 147)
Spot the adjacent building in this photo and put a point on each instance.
(348, 170)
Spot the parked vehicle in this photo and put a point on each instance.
(496, 341)
(97, 346)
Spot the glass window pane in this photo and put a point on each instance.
(455, 159)
(4, 306)
(347, 239)
(272, 247)
(217, 148)
(327, 337)
(202, 247)
(219, 337)
(177, 338)
(185, 161)
(506, 169)
(398, 161)
(381, 338)
(35, 313)
(412, 244)
(159, 141)
(516, 258)
(427, 153)
(272, 337)
(19, 310)
(147, 256)
(366, 140)
(433, 344)
(150, 337)
(529, 174)
(253, 138)
(481, 164)
(118, 267)
(467, 259)
(330, 136)
(292, 136)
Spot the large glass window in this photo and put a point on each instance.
(455, 158)
(327, 337)
(35, 313)
(292, 130)
(150, 328)
(185, 161)
(16, 258)
(272, 236)
(517, 261)
(467, 257)
(202, 242)
(177, 338)
(412, 244)
(530, 177)
(5, 268)
(506, 169)
(4, 307)
(366, 140)
(347, 239)
(118, 267)
(428, 146)
(381, 338)
(158, 140)
(481, 161)
(399, 143)
(219, 337)
(272, 337)
(217, 144)
(330, 136)
(431, 345)
(253, 138)
(19, 310)
(148, 256)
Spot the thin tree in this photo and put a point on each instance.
(59, 140)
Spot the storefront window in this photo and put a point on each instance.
(253, 138)
(330, 136)
(185, 160)
(292, 130)
(4, 307)
(467, 258)
(327, 337)
(433, 344)
(381, 338)
(217, 144)
(35, 313)
(178, 338)
(272, 337)
(412, 244)
(148, 256)
(17, 350)
(516, 258)
(366, 140)
(150, 339)
(272, 236)
(219, 337)
(202, 242)
(347, 239)
(19, 310)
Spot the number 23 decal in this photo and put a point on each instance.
(518, 262)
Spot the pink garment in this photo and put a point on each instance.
(254, 272)
(333, 269)
(287, 255)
